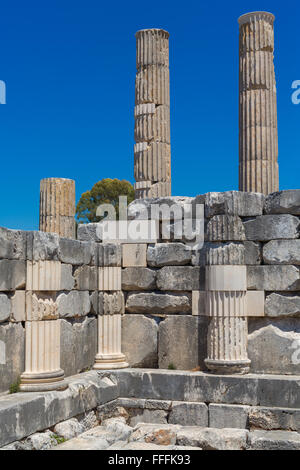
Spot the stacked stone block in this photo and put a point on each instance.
(258, 137)
(152, 151)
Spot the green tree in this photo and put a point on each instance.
(106, 191)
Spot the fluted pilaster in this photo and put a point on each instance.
(258, 138)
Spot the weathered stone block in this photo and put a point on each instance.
(255, 303)
(147, 416)
(283, 202)
(134, 254)
(67, 281)
(274, 440)
(244, 204)
(73, 304)
(168, 254)
(78, 345)
(5, 307)
(225, 228)
(88, 232)
(109, 304)
(213, 439)
(153, 303)
(273, 278)
(252, 252)
(278, 305)
(189, 414)
(225, 253)
(274, 418)
(185, 330)
(12, 339)
(164, 208)
(282, 252)
(274, 347)
(181, 278)
(138, 279)
(42, 246)
(12, 244)
(228, 416)
(41, 306)
(162, 434)
(18, 306)
(86, 278)
(109, 254)
(139, 340)
(270, 227)
(12, 274)
(226, 278)
(75, 252)
(198, 302)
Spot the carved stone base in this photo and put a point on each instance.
(110, 361)
(43, 382)
(228, 367)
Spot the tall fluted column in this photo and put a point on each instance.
(57, 206)
(258, 138)
(226, 286)
(152, 150)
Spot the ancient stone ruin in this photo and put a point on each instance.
(161, 343)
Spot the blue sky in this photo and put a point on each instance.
(69, 68)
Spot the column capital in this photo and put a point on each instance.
(154, 30)
(256, 15)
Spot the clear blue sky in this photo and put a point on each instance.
(69, 67)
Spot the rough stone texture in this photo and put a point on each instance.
(75, 252)
(189, 414)
(181, 278)
(73, 304)
(273, 278)
(12, 339)
(86, 278)
(67, 279)
(138, 279)
(69, 429)
(278, 305)
(238, 203)
(282, 252)
(228, 416)
(274, 348)
(18, 306)
(153, 303)
(12, 244)
(110, 304)
(159, 208)
(188, 331)
(78, 345)
(42, 246)
(168, 254)
(139, 340)
(270, 227)
(40, 441)
(213, 439)
(5, 307)
(225, 228)
(274, 440)
(253, 253)
(147, 416)
(12, 274)
(161, 434)
(88, 232)
(134, 254)
(283, 202)
(110, 254)
(274, 418)
(225, 254)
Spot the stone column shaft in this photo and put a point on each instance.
(258, 138)
(152, 151)
(57, 206)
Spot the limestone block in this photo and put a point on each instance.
(12, 244)
(189, 414)
(152, 85)
(226, 278)
(43, 275)
(78, 345)
(168, 254)
(109, 278)
(162, 434)
(180, 278)
(152, 47)
(138, 279)
(274, 440)
(88, 232)
(153, 303)
(278, 305)
(75, 252)
(110, 304)
(12, 340)
(41, 306)
(253, 253)
(225, 228)
(67, 281)
(147, 416)
(274, 418)
(185, 330)
(228, 416)
(5, 307)
(224, 253)
(86, 278)
(269, 227)
(18, 306)
(282, 252)
(230, 303)
(109, 254)
(283, 202)
(42, 246)
(161, 208)
(94, 302)
(134, 254)
(12, 274)
(213, 439)
(238, 203)
(273, 278)
(73, 304)
(198, 302)
(255, 303)
(274, 346)
(140, 340)
(68, 429)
